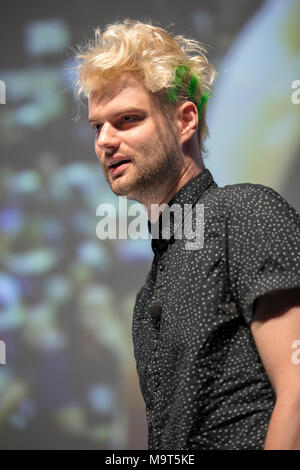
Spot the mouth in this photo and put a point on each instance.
(118, 167)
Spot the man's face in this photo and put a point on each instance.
(130, 127)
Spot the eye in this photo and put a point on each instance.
(97, 127)
(129, 118)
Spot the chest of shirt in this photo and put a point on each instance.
(191, 286)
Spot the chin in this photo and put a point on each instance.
(127, 190)
(120, 189)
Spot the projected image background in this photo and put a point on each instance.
(66, 297)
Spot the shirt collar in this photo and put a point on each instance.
(188, 194)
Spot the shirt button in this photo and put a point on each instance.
(161, 266)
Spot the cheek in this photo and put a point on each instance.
(98, 154)
(145, 145)
(141, 134)
(97, 149)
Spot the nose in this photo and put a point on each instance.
(107, 137)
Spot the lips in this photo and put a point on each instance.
(114, 162)
(117, 165)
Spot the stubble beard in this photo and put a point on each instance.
(154, 168)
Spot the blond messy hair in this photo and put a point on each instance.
(154, 55)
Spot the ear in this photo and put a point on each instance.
(186, 120)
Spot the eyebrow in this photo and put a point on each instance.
(124, 111)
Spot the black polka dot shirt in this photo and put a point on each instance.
(201, 377)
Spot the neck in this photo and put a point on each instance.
(189, 171)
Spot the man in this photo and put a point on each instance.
(215, 329)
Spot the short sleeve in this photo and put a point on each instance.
(263, 245)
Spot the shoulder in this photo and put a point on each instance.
(248, 193)
(254, 214)
(254, 200)
(241, 193)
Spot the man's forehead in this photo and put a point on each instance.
(122, 85)
(124, 92)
